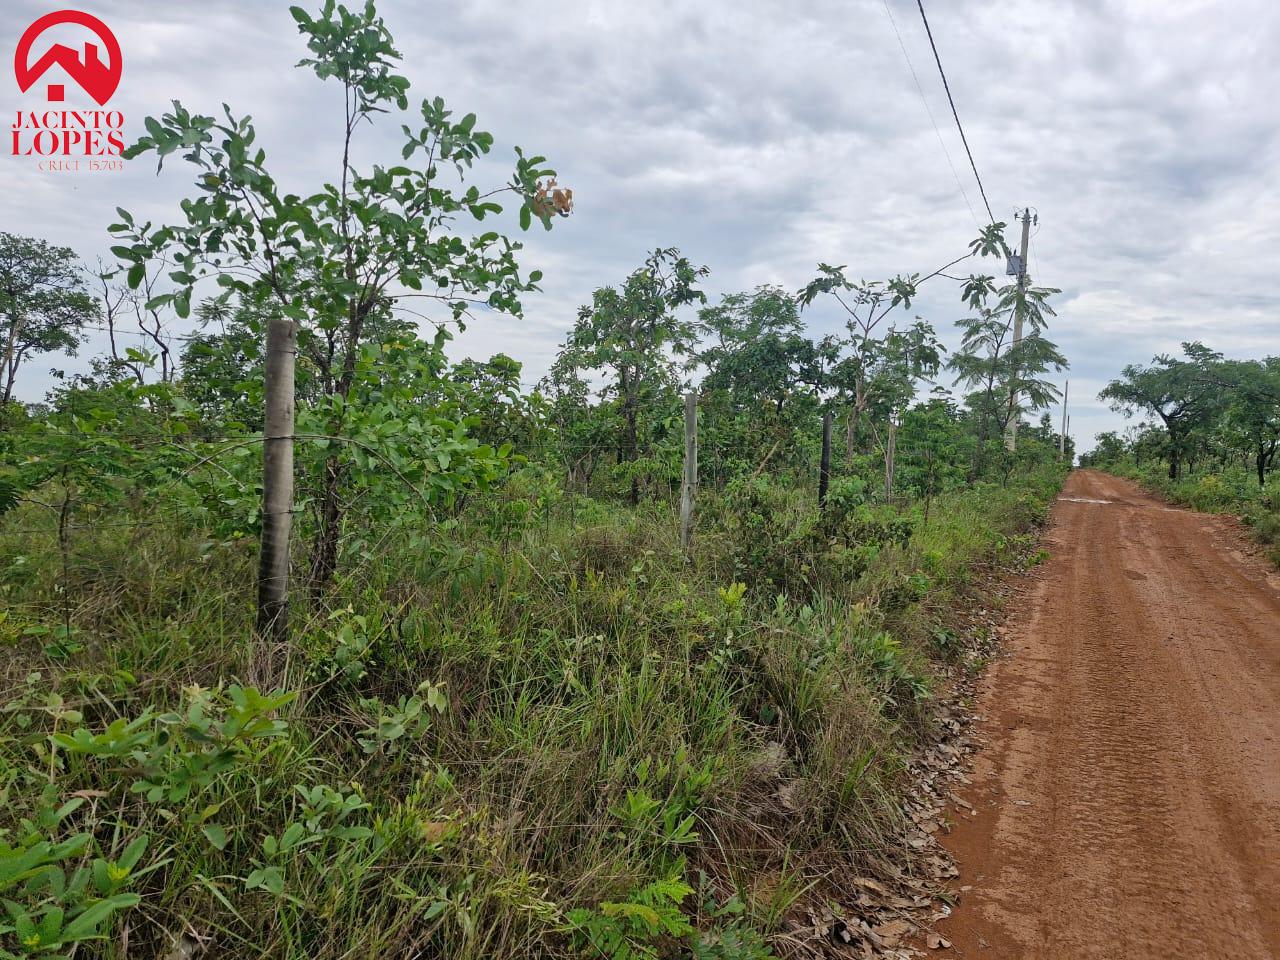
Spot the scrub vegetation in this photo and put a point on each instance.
(512, 711)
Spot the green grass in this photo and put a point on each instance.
(536, 732)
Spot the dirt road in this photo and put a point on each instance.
(1128, 793)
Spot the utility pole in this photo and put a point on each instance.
(1062, 437)
(1011, 437)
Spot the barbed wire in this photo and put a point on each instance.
(146, 335)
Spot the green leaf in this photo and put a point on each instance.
(23, 925)
(101, 876)
(85, 925)
(51, 925)
(292, 836)
(269, 878)
(133, 852)
(216, 835)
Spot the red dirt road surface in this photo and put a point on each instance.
(1128, 792)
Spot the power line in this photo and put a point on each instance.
(146, 335)
(946, 86)
(929, 110)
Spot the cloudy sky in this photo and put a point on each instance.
(761, 138)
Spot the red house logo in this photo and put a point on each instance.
(95, 78)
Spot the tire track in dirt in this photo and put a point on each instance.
(1129, 789)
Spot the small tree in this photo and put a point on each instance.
(1182, 393)
(44, 300)
(762, 376)
(334, 261)
(995, 371)
(584, 432)
(904, 359)
(631, 333)
(150, 351)
(935, 444)
(1005, 379)
(1109, 449)
(1252, 421)
(756, 350)
(865, 304)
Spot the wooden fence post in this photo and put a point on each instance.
(277, 481)
(890, 459)
(824, 467)
(690, 482)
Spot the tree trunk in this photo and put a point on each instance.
(980, 454)
(928, 493)
(855, 422)
(324, 554)
(324, 559)
(631, 438)
(633, 452)
(10, 364)
(824, 464)
(890, 455)
(277, 481)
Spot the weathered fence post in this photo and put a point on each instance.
(824, 466)
(277, 481)
(690, 482)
